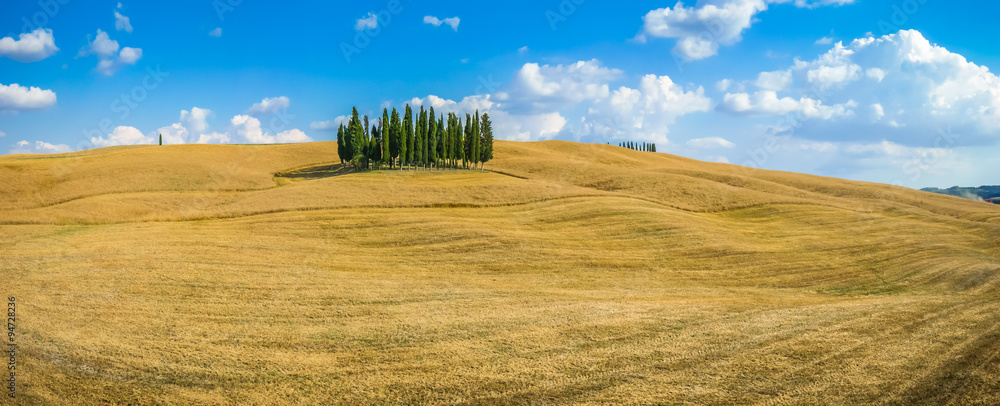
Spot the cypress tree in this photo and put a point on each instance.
(440, 138)
(487, 129)
(408, 136)
(366, 127)
(384, 132)
(460, 143)
(432, 139)
(476, 141)
(161, 140)
(421, 136)
(395, 136)
(467, 144)
(340, 143)
(358, 141)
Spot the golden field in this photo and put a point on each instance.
(566, 274)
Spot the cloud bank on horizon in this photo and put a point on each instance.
(892, 107)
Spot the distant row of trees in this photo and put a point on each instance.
(644, 146)
(416, 141)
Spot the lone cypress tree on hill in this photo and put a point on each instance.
(161, 140)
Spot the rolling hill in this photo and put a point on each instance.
(564, 274)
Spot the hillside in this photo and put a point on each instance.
(566, 273)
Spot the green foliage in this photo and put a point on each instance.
(487, 130)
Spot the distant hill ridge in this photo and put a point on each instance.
(982, 192)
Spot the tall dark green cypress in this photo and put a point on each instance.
(440, 138)
(341, 149)
(395, 135)
(432, 139)
(460, 143)
(408, 136)
(421, 136)
(476, 141)
(487, 130)
(384, 132)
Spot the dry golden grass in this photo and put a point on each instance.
(574, 274)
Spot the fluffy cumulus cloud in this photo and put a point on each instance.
(248, 129)
(452, 21)
(644, 114)
(109, 57)
(545, 88)
(29, 47)
(899, 86)
(538, 101)
(15, 98)
(701, 29)
(38, 147)
(123, 135)
(269, 106)
(122, 23)
(196, 119)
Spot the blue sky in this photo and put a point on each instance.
(898, 92)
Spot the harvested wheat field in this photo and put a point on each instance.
(564, 274)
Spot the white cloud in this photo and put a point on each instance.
(122, 23)
(269, 106)
(109, 58)
(369, 22)
(196, 119)
(329, 124)
(824, 41)
(877, 112)
(216, 32)
(766, 102)
(29, 47)
(15, 97)
(643, 114)
(453, 21)
(38, 147)
(710, 143)
(701, 29)
(545, 88)
(293, 135)
(2, 134)
(522, 50)
(911, 89)
(130, 55)
(776, 81)
(214, 138)
(723, 85)
(123, 135)
(248, 129)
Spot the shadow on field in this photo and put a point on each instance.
(315, 172)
